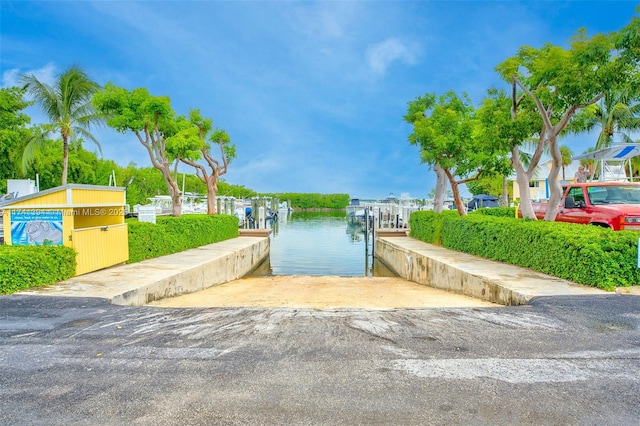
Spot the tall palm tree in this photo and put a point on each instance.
(67, 106)
(618, 113)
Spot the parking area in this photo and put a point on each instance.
(559, 360)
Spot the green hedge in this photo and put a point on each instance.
(496, 211)
(174, 234)
(314, 201)
(22, 267)
(589, 255)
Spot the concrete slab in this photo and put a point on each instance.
(471, 275)
(166, 276)
(323, 292)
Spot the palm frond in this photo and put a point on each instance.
(87, 135)
(44, 95)
(34, 145)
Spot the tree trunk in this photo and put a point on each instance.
(212, 189)
(174, 192)
(522, 177)
(505, 191)
(456, 197)
(456, 192)
(65, 159)
(441, 189)
(555, 187)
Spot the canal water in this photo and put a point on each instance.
(320, 243)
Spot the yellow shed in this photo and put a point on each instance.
(87, 218)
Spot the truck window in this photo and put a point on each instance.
(597, 195)
(577, 194)
(614, 194)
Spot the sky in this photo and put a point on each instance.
(312, 94)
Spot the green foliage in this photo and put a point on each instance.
(67, 106)
(84, 166)
(133, 110)
(314, 215)
(314, 201)
(426, 225)
(238, 191)
(22, 267)
(174, 234)
(588, 255)
(451, 137)
(490, 185)
(496, 211)
(13, 134)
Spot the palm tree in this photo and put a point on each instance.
(618, 113)
(567, 155)
(67, 105)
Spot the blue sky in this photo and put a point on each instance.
(311, 93)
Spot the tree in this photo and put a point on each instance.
(562, 81)
(415, 114)
(84, 166)
(447, 132)
(67, 106)
(490, 185)
(201, 136)
(617, 113)
(509, 123)
(13, 133)
(567, 156)
(152, 120)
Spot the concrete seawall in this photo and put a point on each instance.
(470, 275)
(167, 276)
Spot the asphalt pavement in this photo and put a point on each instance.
(563, 360)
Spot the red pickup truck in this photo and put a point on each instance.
(614, 205)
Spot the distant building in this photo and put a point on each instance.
(539, 184)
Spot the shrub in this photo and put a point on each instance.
(588, 255)
(174, 234)
(22, 267)
(426, 225)
(496, 211)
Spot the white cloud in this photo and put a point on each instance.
(326, 20)
(10, 77)
(46, 74)
(381, 55)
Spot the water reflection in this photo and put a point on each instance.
(320, 243)
(355, 230)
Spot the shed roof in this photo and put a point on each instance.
(68, 200)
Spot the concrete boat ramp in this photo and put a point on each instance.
(214, 275)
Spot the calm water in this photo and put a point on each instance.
(320, 243)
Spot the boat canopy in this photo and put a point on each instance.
(615, 152)
(618, 154)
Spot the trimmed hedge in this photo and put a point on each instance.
(496, 211)
(589, 255)
(22, 267)
(174, 234)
